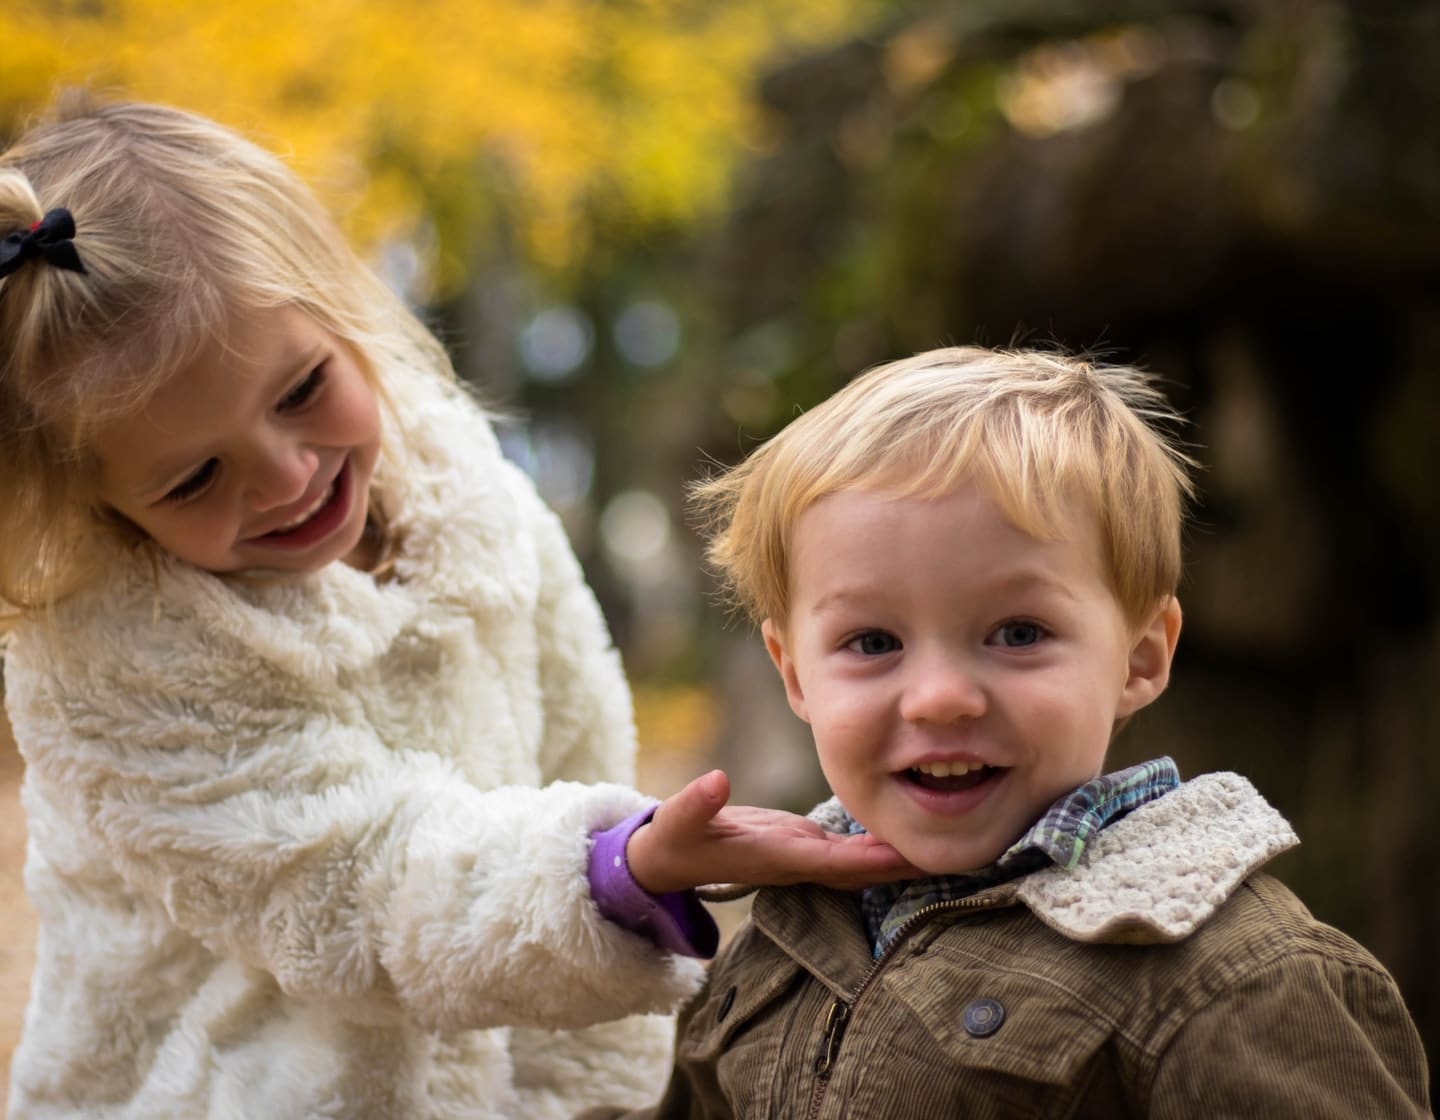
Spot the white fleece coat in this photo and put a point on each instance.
(317, 847)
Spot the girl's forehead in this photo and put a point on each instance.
(226, 379)
(116, 374)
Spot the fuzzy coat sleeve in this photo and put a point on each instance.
(300, 844)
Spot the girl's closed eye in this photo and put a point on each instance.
(193, 484)
(874, 643)
(1017, 634)
(301, 394)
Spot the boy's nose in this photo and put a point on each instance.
(280, 474)
(942, 690)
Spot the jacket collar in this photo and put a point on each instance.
(1159, 874)
(1154, 876)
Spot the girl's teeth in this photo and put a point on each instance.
(311, 512)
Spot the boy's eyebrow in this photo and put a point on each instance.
(839, 596)
(1036, 578)
(1026, 579)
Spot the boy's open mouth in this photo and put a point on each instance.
(950, 777)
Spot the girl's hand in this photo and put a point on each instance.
(694, 839)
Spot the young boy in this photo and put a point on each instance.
(964, 565)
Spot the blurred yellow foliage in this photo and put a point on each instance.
(468, 115)
(678, 726)
(677, 721)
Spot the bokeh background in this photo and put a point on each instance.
(650, 230)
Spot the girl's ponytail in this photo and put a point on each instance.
(43, 508)
(19, 208)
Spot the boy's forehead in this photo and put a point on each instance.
(865, 547)
(903, 502)
(1057, 513)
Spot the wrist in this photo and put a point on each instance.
(674, 921)
(639, 858)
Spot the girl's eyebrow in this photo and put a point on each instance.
(156, 482)
(305, 362)
(159, 481)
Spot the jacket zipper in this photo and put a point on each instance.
(835, 1023)
(838, 1017)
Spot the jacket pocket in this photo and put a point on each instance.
(1026, 1044)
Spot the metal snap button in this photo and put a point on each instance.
(983, 1017)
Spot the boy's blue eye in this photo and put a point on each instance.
(874, 643)
(302, 392)
(195, 482)
(1018, 634)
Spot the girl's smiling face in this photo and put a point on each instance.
(959, 675)
(259, 455)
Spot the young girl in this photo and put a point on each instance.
(317, 713)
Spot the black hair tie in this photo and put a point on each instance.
(51, 238)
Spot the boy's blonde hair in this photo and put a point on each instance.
(180, 224)
(1035, 430)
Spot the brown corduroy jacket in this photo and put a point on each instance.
(1162, 977)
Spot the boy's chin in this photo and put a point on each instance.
(937, 858)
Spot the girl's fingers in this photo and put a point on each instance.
(693, 807)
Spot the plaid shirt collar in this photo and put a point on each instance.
(1058, 837)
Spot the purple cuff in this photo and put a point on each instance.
(677, 922)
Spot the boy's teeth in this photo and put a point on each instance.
(949, 769)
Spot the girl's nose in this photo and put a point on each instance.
(942, 689)
(279, 474)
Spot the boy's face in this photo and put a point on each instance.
(958, 674)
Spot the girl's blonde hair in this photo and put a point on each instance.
(1035, 430)
(180, 224)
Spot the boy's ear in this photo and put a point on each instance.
(1149, 667)
(774, 635)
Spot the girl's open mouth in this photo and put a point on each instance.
(327, 516)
